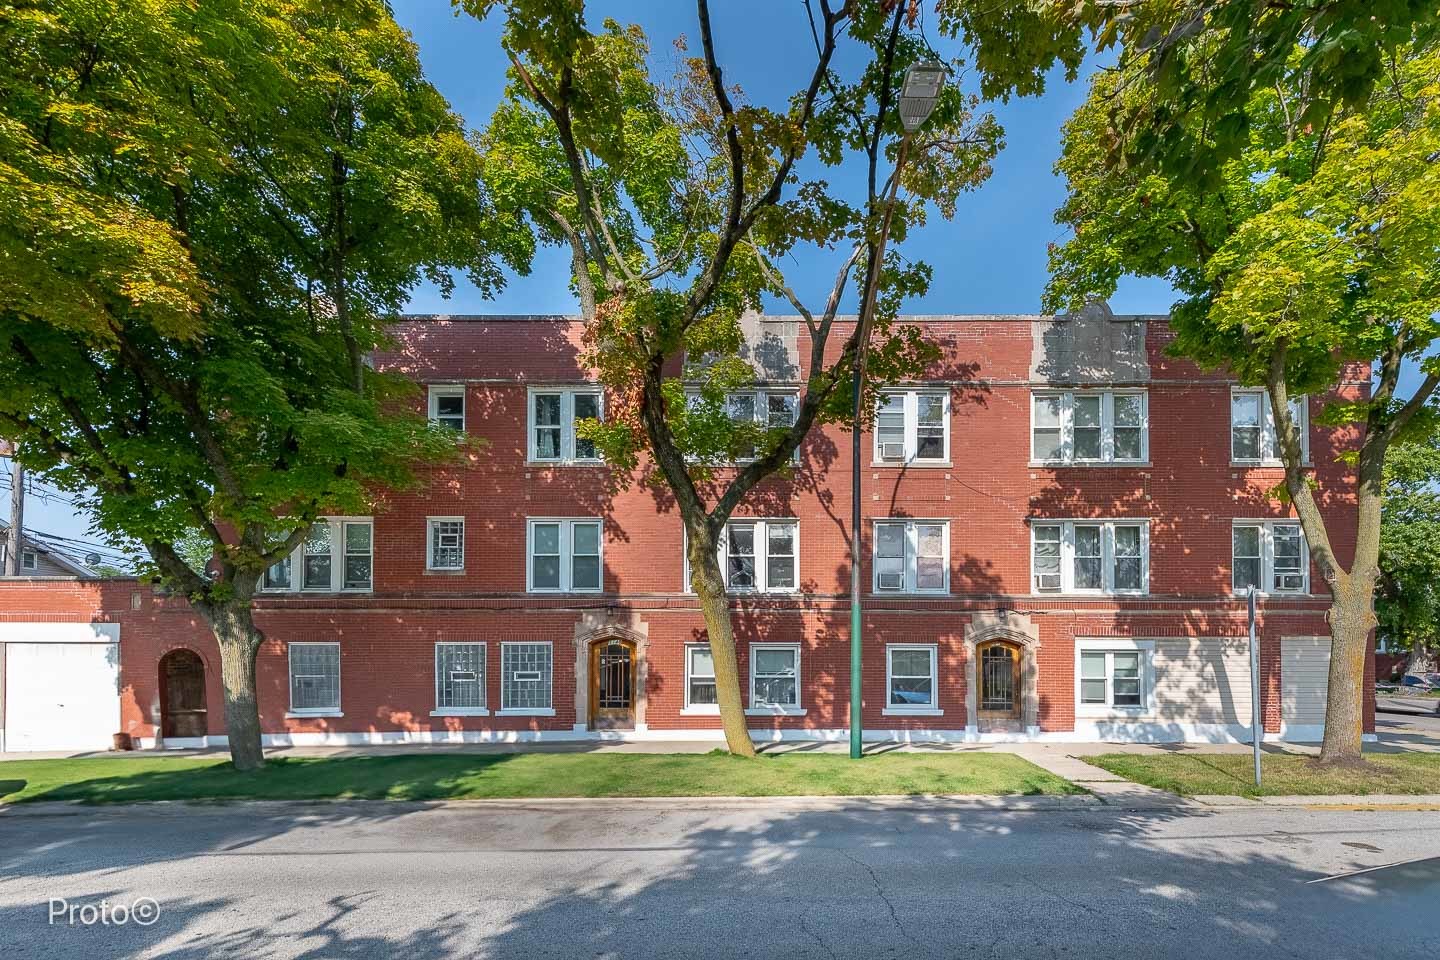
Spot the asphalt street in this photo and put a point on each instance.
(721, 879)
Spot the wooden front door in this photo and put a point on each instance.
(999, 676)
(612, 685)
(182, 695)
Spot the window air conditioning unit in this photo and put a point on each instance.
(892, 451)
(892, 581)
(1047, 582)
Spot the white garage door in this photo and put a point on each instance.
(1304, 679)
(61, 696)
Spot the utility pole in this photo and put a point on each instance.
(13, 546)
(921, 88)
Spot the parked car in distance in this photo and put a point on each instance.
(1416, 684)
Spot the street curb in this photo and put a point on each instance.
(978, 802)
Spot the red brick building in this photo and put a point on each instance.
(1060, 524)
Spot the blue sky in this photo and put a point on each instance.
(990, 259)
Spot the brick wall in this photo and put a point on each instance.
(989, 491)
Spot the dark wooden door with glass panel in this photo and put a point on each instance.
(182, 704)
(612, 685)
(999, 674)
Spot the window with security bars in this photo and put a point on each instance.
(460, 676)
(447, 543)
(1088, 426)
(1270, 556)
(314, 677)
(1112, 678)
(525, 676)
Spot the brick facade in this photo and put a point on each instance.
(989, 492)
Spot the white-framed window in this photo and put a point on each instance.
(775, 677)
(1270, 555)
(700, 692)
(29, 560)
(336, 556)
(447, 405)
(911, 680)
(527, 678)
(1253, 439)
(758, 556)
(564, 556)
(769, 407)
(1089, 426)
(912, 426)
(314, 679)
(912, 556)
(1113, 676)
(1090, 556)
(552, 415)
(444, 543)
(460, 679)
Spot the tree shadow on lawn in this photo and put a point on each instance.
(712, 880)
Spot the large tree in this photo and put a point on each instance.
(207, 214)
(679, 199)
(1318, 248)
(1408, 601)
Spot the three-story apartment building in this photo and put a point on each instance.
(1061, 522)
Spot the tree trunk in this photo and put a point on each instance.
(709, 585)
(1422, 658)
(1352, 617)
(233, 624)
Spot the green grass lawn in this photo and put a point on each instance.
(471, 776)
(1233, 773)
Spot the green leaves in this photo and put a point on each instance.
(208, 216)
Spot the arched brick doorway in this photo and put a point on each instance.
(182, 695)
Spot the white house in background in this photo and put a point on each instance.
(39, 560)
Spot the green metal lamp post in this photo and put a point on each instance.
(918, 94)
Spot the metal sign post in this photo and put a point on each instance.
(1256, 724)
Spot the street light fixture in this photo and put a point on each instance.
(918, 95)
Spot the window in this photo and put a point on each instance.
(29, 560)
(1270, 556)
(767, 408)
(910, 678)
(553, 415)
(1252, 427)
(336, 555)
(445, 543)
(460, 678)
(757, 556)
(775, 677)
(525, 677)
(564, 556)
(912, 556)
(1089, 426)
(315, 679)
(700, 679)
(447, 406)
(1090, 556)
(913, 426)
(1113, 676)
(277, 576)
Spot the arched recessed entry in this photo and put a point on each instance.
(999, 680)
(182, 695)
(612, 684)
